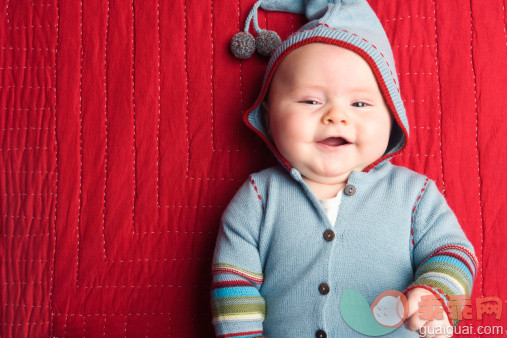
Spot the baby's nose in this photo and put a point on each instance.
(335, 115)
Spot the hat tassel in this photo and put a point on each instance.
(243, 43)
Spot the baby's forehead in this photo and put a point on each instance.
(322, 51)
(317, 63)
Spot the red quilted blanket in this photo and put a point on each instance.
(122, 143)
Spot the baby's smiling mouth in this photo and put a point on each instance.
(333, 141)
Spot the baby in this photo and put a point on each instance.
(336, 214)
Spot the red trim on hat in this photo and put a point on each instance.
(349, 46)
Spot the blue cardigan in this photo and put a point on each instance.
(276, 246)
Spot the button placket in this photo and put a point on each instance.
(329, 236)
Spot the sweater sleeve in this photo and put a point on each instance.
(445, 259)
(238, 309)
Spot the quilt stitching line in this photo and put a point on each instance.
(185, 51)
(25, 67)
(80, 138)
(31, 27)
(170, 232)
(23, 283)
(19, 260)
(65, 325)
(7, 13)
(29, 87)
(415, 101)
(125, 326)
(133, 112)
(93, 286)
(212, 83)
(413, 46)
(116, 314)
(27, 49)
(40, 172)
(29, 306)
(479, 180)
(27, 235)
(408, 17)
(26, 323)
(216, 179)
(53, 227)
(159, 109)
(439, 84)
(416, 73)
(21, 216)
(25, 148)
(27, 109)
(160, 260)
(425, 155)
(107, 135)
(428, 128)
(27, 128)
(31, 194)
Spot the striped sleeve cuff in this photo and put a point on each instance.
(238, 309)
(448, 273)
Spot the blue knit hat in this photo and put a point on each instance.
(351, 24)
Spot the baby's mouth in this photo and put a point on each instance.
(334, 141)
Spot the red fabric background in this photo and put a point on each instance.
(122, 143)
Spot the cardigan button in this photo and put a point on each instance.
(329, 235)
(321, 334)
(324, 289)
(349, 190)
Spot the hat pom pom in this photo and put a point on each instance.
(243, 45)
(266, 42)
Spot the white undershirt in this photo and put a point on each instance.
(331, 206)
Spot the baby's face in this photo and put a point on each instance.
(326, 113)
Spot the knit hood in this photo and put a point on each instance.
(350, 24)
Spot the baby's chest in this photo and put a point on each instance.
(373, 240)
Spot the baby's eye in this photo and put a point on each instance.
(311, 102)
(359, 104)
